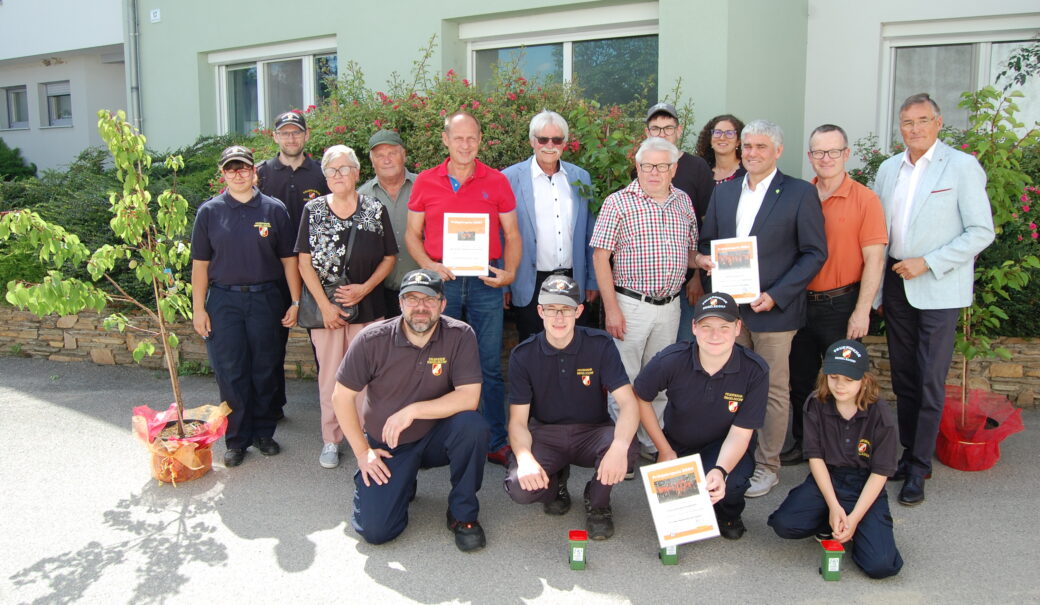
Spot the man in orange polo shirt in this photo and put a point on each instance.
(841, 294)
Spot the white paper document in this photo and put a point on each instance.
(679, 501)
(467, 240)
(736, 268)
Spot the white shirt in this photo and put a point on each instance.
(751, 202)
(553, 213)
(903, 199)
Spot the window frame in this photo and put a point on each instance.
(980, 32)
(46, 117)
(7, 123)
(304, 50)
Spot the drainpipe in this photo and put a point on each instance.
(133, 70)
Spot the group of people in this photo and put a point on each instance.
(413, 379)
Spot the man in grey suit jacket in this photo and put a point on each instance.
(555, 222)
(785, 216)
(939, 218)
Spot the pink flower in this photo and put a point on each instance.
(396, 107)
(465, 82)
(379, 123)
(296, 111)
(476, 104)
(1025, 208)
(1036, 235)
(311, 108)
(416, 165)
(964, 146)
(1020, 238)
(1032, 226)
(1014, 215)
(1024, 198)
(443, 112)
(511, 96)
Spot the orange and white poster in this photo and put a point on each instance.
(466, 243)
(736, 268)
(679, 501)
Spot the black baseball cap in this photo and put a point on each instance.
(559, 290)
(848, 358)
(424, 281)
(384, 137)
(290, 118)
(666, 108)
(235, 153)
(716, 304)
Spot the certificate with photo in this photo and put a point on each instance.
(679, 502)
(736, 268)
(466, 243)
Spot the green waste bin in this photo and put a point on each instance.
(830, 560)
(579, 540)
(669, 555)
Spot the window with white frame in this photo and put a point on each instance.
(57, 97)
(948, 58)
(254, 85)
(610, 52)
(16, 108)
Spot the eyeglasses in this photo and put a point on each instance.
(559, 311)
(411, 302)
(831, 153)
(240, 172)
(729, 134)
(289, 134)
(663, 167)
(659, 130)
(545, 140)
(920, 123)
(344, 171)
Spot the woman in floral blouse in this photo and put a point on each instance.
(322, 245)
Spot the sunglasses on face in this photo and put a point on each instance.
(545, 140)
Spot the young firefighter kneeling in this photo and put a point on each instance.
(850, 440)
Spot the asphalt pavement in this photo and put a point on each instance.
(85, 522)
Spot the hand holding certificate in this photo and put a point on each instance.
(736, 268)
(679, 502)
(466, 243)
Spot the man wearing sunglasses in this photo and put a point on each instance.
(650, 229)
(841, 294)
(423, 379)
(555, 222)
(558, 385)
(293, 178)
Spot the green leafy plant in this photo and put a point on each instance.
(151, 245)
(1022, 63)
(13, 165)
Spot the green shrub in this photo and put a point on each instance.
(13, 165)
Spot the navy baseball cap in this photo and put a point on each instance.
(422, 280)
(235, 153)
(716, 304)
(290, 118)
(848, 358)
(559, 290)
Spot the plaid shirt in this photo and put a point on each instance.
(651, 242)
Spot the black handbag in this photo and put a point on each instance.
(309, 315)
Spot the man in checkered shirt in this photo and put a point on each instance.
(651, 230)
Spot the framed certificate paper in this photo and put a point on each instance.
(679, 501)
(466, 243)
(736, 268)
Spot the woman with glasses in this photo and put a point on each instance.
(241, 249)
(323, 242)
(719, 145)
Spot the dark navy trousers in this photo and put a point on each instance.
(737, 483)
(246, 350)
(804, 513)
(458, 441)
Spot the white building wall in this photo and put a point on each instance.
(848, 54)
(38, 27)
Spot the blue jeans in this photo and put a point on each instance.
(483, 311)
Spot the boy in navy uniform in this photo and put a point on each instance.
(851, 442)
(423, 377)
(558, 385)
(241, 250)
(717, 393)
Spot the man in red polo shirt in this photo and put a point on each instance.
(465, 184)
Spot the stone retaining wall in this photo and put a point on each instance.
(82, 338)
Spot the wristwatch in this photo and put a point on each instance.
(725, 475)
(295, 303)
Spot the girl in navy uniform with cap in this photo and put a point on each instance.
(850, 440)
(241, 249)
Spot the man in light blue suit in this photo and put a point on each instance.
(555, 222)
(939, 218)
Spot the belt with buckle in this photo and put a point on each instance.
(653, 300)
(826, 295)
(267, 285)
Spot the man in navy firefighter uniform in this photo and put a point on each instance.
(241, 247)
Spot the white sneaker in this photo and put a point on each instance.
(329, 456)
(762, 482)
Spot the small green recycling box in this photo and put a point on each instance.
(669, 555)
(830, 560)
(579, 539)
